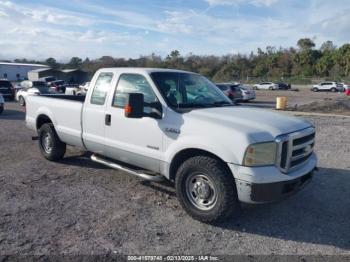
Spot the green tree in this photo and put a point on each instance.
(343, 59)
(75, 62)
(51, 62)
(325, 64)
(328, 46)
(305, 44)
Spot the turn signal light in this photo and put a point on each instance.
(128, 109)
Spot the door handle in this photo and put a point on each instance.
(108, 119)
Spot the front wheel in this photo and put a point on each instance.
(206, 189)
(51, 147)
(334, 90)
(315, 89)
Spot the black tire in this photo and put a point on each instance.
(226, 203)
(21, 101)
(270, 88)
(1, 109)
(334, 89)
(255, 88)
(314, 89)
(51, 147)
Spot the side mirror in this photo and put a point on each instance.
(134, 105)
(156, 110)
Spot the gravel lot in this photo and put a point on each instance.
(80, 207)
(267, 98)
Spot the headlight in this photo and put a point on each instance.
(260, 154)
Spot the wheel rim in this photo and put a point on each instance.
(201, 191)
(47, 143)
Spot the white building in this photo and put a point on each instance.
(17, 71)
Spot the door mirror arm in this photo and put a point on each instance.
(134, 107)
(156, 110)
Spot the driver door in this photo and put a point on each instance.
(134, 141)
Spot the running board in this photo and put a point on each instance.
(155, 178)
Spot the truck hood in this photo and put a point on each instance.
(258, 124)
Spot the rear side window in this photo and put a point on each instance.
(101, 87)
(132, 83)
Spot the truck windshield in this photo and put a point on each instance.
(186, 90)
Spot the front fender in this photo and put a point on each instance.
(226, 152)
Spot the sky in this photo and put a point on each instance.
(39, 29)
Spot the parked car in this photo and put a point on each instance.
(72, 90)
(328, 86)
(247, 93)
(38, 88)
(48, 79)
(58, 86)
(162, 123)
(17, 86)
(231, 90)
(2, 104)
(28, 84)
(345, 86)
(266, 85)
(83, 88)
(7, 90)
(283, 86)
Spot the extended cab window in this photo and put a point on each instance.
(101, 87)
(132, 83)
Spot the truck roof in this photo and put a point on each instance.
(141, 70)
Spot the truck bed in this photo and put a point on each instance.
(66, 97)
(65, 112)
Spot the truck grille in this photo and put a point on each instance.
(295, 149)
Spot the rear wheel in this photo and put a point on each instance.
(51, 147)
(21, 101)
(206, 189)
(333, 89)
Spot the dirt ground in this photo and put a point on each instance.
(295, 99)
(77, 206)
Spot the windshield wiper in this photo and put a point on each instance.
(205, 105)
(192, 105)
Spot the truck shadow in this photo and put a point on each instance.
(319, 214)
(167, 187)
(82, 160)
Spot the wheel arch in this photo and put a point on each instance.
(41, 120)
(184, 154)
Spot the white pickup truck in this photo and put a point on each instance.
(161, 123)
